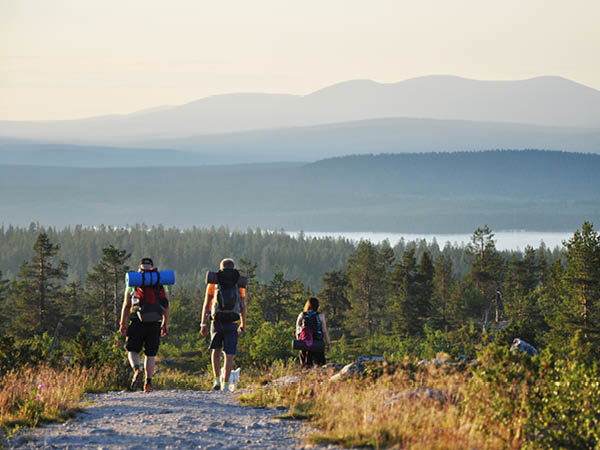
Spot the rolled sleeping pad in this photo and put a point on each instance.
(213, 278)
(150, 278)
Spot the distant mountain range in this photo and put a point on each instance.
(302, 144)
(542, 101)
(422, 193)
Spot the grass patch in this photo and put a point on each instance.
(377, 410)
(33, 395)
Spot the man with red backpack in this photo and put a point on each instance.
(144, 319)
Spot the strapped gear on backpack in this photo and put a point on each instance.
(148, 302)
(227, 303)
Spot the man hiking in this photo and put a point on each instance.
(144, 319)
(225, 304)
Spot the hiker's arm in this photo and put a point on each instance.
(125, 311)
(205, 308)
(164, 328)
(298, 325)
(325, 332)
(243, 314)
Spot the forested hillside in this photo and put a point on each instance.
(422, 193)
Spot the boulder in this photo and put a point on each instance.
(351, 370)
(522, 346)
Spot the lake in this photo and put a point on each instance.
(505, 240)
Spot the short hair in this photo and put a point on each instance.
(227, 263)
(312, 304)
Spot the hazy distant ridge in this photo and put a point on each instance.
(549, 101)
(428, 192)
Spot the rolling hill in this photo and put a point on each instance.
(428, 192)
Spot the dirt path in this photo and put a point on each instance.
(166, 419)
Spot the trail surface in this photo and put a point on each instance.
(166, 419)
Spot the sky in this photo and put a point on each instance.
(67, 59)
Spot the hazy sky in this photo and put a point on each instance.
(62, 59)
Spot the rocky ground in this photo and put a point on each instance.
(166, 419)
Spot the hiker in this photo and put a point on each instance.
(314, 320)
(224, 326)
(147, 310)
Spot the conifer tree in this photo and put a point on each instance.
(38, 289)
(106, 282)
(4, 317)
(405, 296)
(583, 278)
(368, 287)
(443, 284)
(487, 266)
(333, 298)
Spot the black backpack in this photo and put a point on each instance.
(227, 305)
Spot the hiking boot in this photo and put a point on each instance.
(136, 381)
(216, 387)
(147, 388)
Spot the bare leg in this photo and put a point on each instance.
(216, 363)
(149, 366)
(228, 366)
(134, 359)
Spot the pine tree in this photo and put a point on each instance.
(487, 266)
(4, 316)
(39, 288)
(105, 283)
(583, 278)
(368, 288)
(443, 285)
(113, 260)
(407, 318)
(333, 298)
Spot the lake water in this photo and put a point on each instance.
(505, 240)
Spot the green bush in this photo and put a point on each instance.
(272, 342)
(548, 402)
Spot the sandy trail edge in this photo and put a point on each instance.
(166, 419)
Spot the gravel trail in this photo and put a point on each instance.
(166, 419)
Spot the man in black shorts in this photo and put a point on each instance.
(143, 334)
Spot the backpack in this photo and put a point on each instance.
(311, 335)
(227, 303)
(311, 326)
(148, 303)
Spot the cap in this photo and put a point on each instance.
(146, 261)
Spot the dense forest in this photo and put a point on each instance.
(370, 293)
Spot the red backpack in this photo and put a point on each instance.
(148, 307)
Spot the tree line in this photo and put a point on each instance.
(402, 292)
